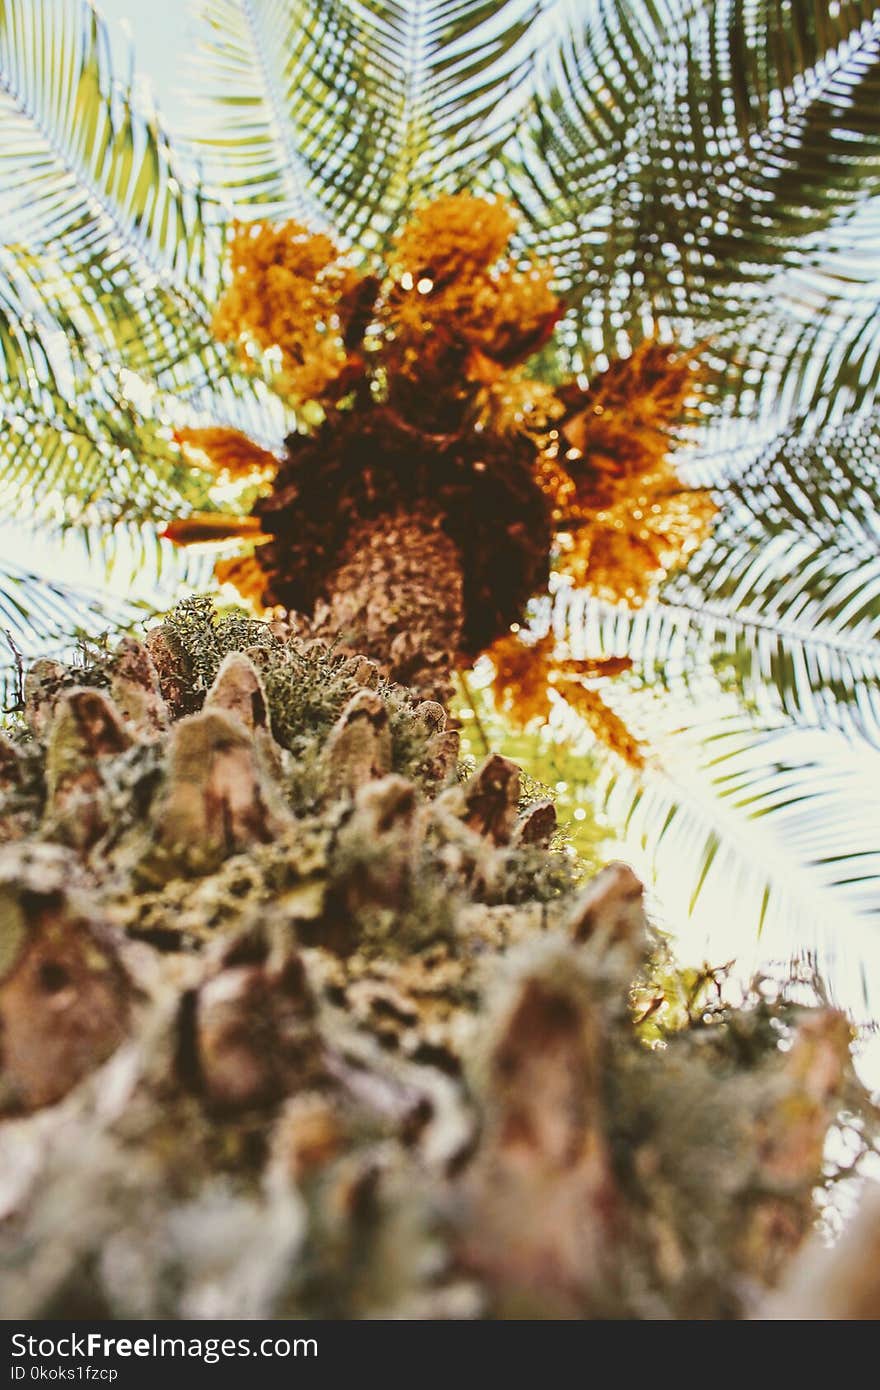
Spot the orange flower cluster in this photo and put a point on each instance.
(457, 236)
(457, 297)
(454, 315)
(525, 675)
(625, 517)
(213, 528)
(619, 552)
(226, 452)
(620, 425)
(287, 297)
(246, 575)
(514, 402)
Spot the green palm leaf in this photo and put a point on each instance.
(779, 823)
(760, 642)
(783, 604)
(40, 616)
(100, 225)
(103, 338)
(73, 438)
(683, 157)
(351, 112)
(823, 481)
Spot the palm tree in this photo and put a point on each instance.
(267, 968)
(703, 173)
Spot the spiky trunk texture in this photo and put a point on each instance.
(296, 1021)
(397, 597)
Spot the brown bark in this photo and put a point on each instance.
(64, 997)
(397, 596)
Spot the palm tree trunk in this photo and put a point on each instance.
(397, 597)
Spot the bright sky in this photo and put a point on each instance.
(160, 30)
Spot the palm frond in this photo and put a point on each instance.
(79, 152)
(40, 616)
(350, 112)
(778, 822)
(101, 228)
(823, 482)
(92, 375)
(74, 444)
(691, 167)
(792, 627)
